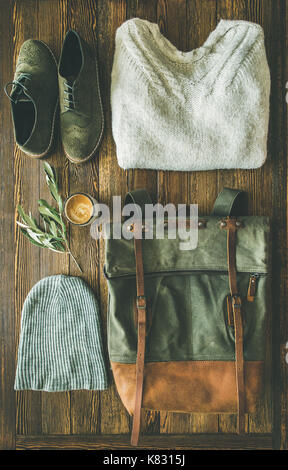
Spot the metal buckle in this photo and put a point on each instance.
(143, 299)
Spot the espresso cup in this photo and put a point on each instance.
(79, 209)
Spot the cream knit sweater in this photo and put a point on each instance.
(200, 110)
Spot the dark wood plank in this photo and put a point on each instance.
(284, 323)
(85, 405)
(277, 57)
(280, 282)
(201, 21)
(55, 406)
(27, 256)
(7, 325)
(202, 189)
(144, 179)
(231, 178)
(172, 186)
(171, 17)
(112, 181)
(261, 202)
(174, 441)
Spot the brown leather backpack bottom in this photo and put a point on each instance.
(189, 386)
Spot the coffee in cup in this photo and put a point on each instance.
(79, 209)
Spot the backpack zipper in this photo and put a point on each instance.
(252, 287)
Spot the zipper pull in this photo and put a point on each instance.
(252, 287)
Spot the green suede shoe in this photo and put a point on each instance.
(81, 113)
(34, 98)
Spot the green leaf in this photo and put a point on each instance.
(59, 246)
(21, 224)
(51, 179)
(33, 235)
(53, 190)
(60, 204)
(27, 218)
(39, 237)
(33, 222)
(50, 212)
(53, 228)
(64, 230)
(44, 223)
(54, 237)
(52, 209)
(22, 214)
(30, 238)
(53, 244)
(42, 202)
(49, 171)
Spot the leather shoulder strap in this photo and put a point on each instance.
(232, 225)
(139, 197)
(141, 341)
(230, 202)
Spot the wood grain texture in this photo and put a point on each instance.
(172, 186)
(27, 256)
(175, 187)
(173, 441)
(55, 408)
(85, 405)
(145, 179)
(284, 329)
(7, 319)
(234, 179)
(278, 152)
(112, 181)
(262, 421)
(94, 420)
(202, 188)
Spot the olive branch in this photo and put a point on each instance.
(54, 235)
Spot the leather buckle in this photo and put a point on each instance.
(141, 301)
(236, 301)
(236, 306)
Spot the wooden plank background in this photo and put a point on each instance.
(38, 419)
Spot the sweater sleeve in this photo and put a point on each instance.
(244, 55)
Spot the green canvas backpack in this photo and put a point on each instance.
(186, 329)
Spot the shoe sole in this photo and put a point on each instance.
(45, 153)
(86, 159)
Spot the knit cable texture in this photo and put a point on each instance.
(199, 110)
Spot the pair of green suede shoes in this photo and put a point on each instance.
(37, 88)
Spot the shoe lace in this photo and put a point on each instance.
(19, 85)
(69, 98)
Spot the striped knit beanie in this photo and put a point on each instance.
(60, 342)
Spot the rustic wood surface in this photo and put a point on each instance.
(60, 420)
(165, 441)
